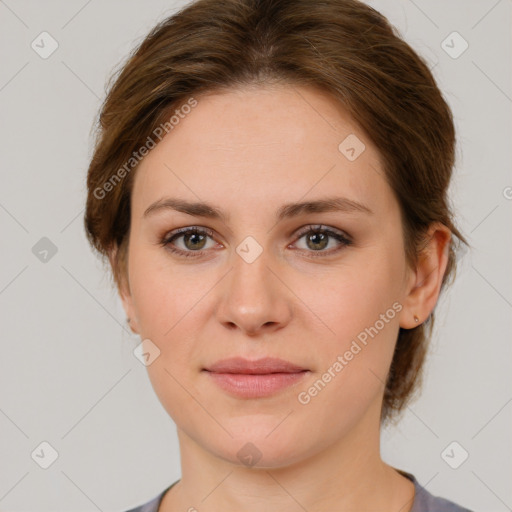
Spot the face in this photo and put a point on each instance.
(321, 288)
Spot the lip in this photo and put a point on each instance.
(243, 378)
(261, 366)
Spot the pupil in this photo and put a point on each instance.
(192, 236)
(320, 237)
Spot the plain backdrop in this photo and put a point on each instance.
(68, 376)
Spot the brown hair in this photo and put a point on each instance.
(341, 46)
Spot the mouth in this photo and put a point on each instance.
(264, 366)
(243, 378)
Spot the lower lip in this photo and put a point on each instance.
(255, 386)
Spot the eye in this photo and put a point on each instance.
(193, 241)
(317, 238)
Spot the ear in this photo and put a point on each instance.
(123, 289)
(426, 279)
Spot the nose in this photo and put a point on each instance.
(253, 299)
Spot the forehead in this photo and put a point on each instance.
(257, 146)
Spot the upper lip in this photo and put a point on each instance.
(256, 367)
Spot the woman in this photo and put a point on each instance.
(269, 185)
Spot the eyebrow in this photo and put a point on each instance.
(202, 209)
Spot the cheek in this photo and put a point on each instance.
(164, 303)
(352, 298)
(361, 306)
(167, 302)
(355, 359)
(160, 295)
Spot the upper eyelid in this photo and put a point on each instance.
(319, 227)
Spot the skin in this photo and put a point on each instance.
(248, 151)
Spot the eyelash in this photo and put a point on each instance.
(168, 239)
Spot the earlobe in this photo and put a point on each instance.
(132, 325)
(124, 292)
(131, 318)
(424, 289)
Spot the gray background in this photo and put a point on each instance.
(67, 372)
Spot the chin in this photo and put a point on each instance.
(260, 442)
(260, 454)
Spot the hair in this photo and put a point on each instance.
(343, 47)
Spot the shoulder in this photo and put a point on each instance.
(150, 506)
(424, 501)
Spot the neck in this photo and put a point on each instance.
(346, 475)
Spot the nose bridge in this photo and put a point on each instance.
(252, 298)
(250, 274)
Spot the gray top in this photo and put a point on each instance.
(423, 500)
